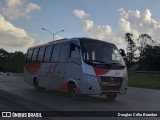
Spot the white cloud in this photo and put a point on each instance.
(31, 7)
(103, 32)
(124, 25)
(137, 23)
(80, 13)
(88, 25)
(14, 37)
(132, 21)
(147, 15)
(14, 9)
(57, 37)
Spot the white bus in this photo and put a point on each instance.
(77, 66)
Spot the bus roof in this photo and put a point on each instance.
(92, 39)
(67, 40)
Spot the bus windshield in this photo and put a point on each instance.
(101, 53)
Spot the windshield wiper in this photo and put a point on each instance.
(98, 62)
(117, 64)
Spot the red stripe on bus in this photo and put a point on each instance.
(100, 71)
(64, 88)
(33, 68)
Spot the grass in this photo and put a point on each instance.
(144, 80)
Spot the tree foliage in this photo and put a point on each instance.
(12, 62)
(131, 49)
(148, 50)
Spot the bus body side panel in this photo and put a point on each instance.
(70, 72)
(89, 81)
(50, 76)
(27, 77)
(43, 76)
(61, 74)
(53, 76)
(125, 82)
(31, 70)
(46, 74)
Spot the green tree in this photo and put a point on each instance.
(131, 49)
(149, 49)
(12, 62)
(18, 58)
(4, 55)
(143, 41)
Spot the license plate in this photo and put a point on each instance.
(112, 84)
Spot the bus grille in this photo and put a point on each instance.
(111, 83)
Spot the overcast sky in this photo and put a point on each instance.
(21, 20)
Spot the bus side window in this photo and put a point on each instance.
(74, 54)
(55, 53)
(29, 55)
(64, 53)
(35, 53)
(48, 53)
(41, 54)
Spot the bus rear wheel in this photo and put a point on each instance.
(36, 86)
(72, 91)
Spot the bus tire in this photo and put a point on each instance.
(111, 97)
(72, 91)
(36, 86)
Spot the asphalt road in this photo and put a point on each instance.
(16, 95)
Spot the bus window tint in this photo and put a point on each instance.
(74, 54)
(35, 53)
(55, 54)
(63, 53)
(48, 53)
(115, 55)
(41, 54)
(101, 51)
(29, 56)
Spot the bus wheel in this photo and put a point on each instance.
(72, 91)
(111, 97)
(36, 86)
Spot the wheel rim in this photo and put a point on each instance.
(73, 92)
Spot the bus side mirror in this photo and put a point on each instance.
(74, 55)
(122, 52)
(72, 47)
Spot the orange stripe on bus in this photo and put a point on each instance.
(33, 68)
